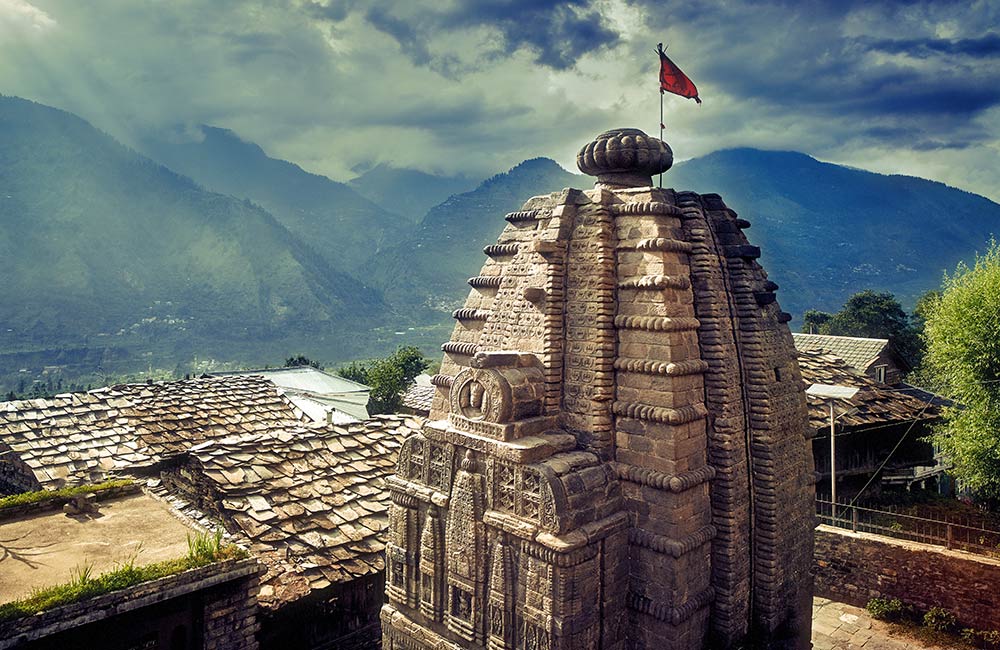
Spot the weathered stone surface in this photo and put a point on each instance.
(624, 158)
(611, 459)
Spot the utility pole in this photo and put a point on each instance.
(831, 393)
(833, 465)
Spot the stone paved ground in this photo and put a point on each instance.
(837, 626)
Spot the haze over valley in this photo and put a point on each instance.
(209, 253)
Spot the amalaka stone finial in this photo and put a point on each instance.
(625, 158)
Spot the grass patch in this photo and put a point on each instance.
(203, 549)
(930, 638)
(45, 495)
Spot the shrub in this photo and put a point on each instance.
(885, 609)
(940, 619)
(981, 638)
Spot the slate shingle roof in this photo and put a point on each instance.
(418, 398)
(876, 404)
(857, 352)
(310, 501)
(83, 437)
(78, 438)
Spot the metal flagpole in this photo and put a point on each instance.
(661, 131)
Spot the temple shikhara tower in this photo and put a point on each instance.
(617, 453)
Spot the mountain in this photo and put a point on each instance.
(337, 222)
(408, 192)
(827, 231)
(427, 273)
(103, 248)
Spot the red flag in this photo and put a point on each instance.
(673, 80)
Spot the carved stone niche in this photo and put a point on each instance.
(500, 397)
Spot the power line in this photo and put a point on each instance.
(882, 466)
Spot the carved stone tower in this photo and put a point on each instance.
(616, 455)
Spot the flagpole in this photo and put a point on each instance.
(661, 131)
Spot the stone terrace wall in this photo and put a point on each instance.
(226, 593)
(57, 502)
(855, 567)
(230, 614)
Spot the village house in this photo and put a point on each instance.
(234, 453)
(876, 358)
(881, 430)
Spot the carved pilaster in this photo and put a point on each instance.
(400, 558)
(500, 605)
(466, 558)
(432, 567)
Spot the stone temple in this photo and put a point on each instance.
(617, 452)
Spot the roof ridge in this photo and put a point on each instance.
(839, 336)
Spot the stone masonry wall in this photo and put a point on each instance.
(855, 567)
(231, 615)
(225, 592)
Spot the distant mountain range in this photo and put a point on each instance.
(427, 272)
(340, 224)
(408, 192)
(828, 231)
(107, 255)
(103, 248)
(825, 231)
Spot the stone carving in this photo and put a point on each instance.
(624, 158)
(481, 394)
(610, 462)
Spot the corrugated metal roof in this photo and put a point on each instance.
(857, 352)
(321, 395)
(305, 378)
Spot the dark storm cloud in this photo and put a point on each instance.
(841, 60)
(555, 31)
(985, 47)
(476, 86)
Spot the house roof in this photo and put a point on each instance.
(320, 394)
(84, 437)
(305, 378)
(418, 397)
(311, 501)
(875, 403)
(857, 352)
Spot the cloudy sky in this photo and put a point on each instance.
(477, 86)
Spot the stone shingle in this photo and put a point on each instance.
(419, 398)
(857, 352)
(875, 404)
(85, 437)
(310, 501)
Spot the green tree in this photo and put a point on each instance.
(924, 307)
(301, 360)
(963, 356)
(388, 377)
(814, 320)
